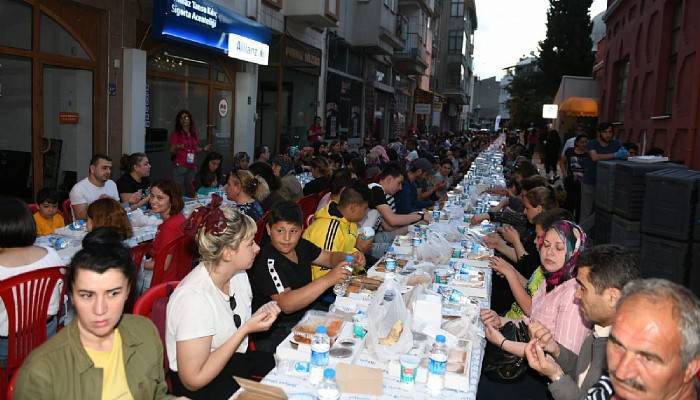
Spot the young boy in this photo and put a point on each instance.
(48, 218)
(335, 226)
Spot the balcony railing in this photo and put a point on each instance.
(414, 47)
(401, 27)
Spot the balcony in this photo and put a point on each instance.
(413, 59)
(314, 13)
(427, 5)
(377, 28)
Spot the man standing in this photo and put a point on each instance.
(654, 347)
(604, 147)
(406, 199)
(603, 271)
(95, 186)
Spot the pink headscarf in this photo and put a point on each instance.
(379, 150)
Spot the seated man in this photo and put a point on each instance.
(406, 199)
(654, 346)
(444, 175)
(335, 226)
(383, 210)
(282, 272)
(96, 185)
(603, 271)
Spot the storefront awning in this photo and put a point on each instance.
(579, 107)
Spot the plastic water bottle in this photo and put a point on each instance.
(328, 389)
(340, 288)
(437, 365)
(320, 346)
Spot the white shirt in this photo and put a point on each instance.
(51, 259)
(84, 192)
(197, 308)
(569, 144)
(413, 155)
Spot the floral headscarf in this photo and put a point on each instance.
(575, 239)
(381, 152)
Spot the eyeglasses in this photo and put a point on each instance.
(236, 317)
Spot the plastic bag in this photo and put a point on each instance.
(467, 326)
(449, 232)
(436, 250)
(386, 309)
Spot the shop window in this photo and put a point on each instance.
(622, 72)
(55, 39)
(15, 24)
(454, 41)
(218, 74)
(180, 62)
(456, 8)
(673, 57)
(355, 64)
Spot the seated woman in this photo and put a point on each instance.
(133, 185)
(107, 212)
(167, 202)
(321, 172)
(274, 184)
(241, 160)
(554, 305)
(102, 353)
(208, 318)
(247, 191)
(210, 165)
(19, 254)
(283, 169)
(282, 272)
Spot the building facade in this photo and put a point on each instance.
(649, 74)
(486, 102)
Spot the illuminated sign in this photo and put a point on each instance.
(207, 24)
(550, 111)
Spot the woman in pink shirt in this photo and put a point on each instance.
(184, 145)
(554, 305)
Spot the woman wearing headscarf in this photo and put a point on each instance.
(554, 305)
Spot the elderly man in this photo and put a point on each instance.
(603, 271)
(654, 346)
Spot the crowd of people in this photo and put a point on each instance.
(587, 326)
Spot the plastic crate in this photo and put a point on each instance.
(605, 184)
(602, 227)
(625, 233)
(630, 186)
(664, 258)
(670, 202)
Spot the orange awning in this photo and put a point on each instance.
(579, 107)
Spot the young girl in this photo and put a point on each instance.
(209, 184)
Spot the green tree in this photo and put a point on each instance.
(567, 48)
(527, 98)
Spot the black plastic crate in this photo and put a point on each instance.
(602, 227)
(670, 202)
(605, 184)
(694, 273)
(625, 233)
(630, 186)
(664, 258)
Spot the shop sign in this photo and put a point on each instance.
(246, 49)
(206, 23)
(423, 108)
(301, 56)
(223, 108)
(68, 118)
(550, 111)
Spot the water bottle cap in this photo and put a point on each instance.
(329, 373)
(348, 258)
(321, 329)
(440, 339)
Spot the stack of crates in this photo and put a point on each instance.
(669, 226)
(628, 200)
(604, 191)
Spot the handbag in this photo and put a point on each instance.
(502, 366)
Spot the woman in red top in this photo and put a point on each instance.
(316, 131)
(166, 201)
(184, 145)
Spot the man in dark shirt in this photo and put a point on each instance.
(282, 272)
(406, 199)
(604, 147)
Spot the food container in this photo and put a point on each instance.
(304, 330)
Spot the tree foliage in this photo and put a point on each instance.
(567, 49)
(527, 98)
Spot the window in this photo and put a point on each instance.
(621, 89)
(673, 57)
(454, 41)
(454, 71)
(390, 4)
(456, 8)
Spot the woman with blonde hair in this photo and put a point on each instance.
(208, 318)
(321, 171)
(107, 212)
(247, 191)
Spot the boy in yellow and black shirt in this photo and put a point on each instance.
(335, 226)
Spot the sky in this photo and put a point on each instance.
(508, 30)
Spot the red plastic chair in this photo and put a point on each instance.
(308, 204)
(260, 233)
(11, 386)
(67, 212)
(33, 208)
(152, 305)
(26, 298)
(139, 251)
(180, 265)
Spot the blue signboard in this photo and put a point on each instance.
(205, 23)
